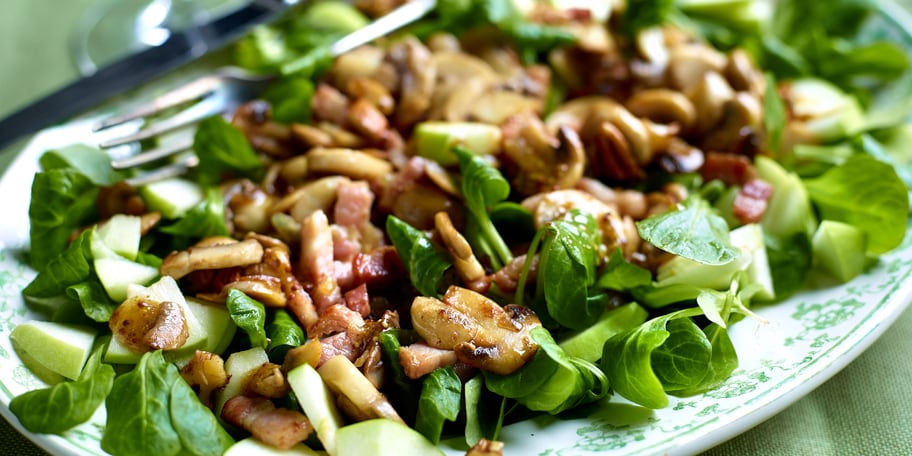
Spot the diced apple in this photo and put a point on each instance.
(434, 140)
(122, 234)
(172, 197)
(61, 348)
(839, 248)
(253, 447)
(749, 238)
(216, 323)
(117, 274)
(237, 366)
(318, 405)
(382, 437)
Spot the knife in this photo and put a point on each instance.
(180, 48)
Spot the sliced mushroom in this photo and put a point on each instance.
(418, 79)
(264, 288)
(142, 324)
(358, 63)
(206, 373)
(587, 114)
(542, 162)
(742, 74)
(467, 266)
(551, 206)
(373, 92)
(343, 378)
(495, 107)
(482, 333)
(201, 257)
(348, 162)
(709, 96)
(367, 119)
(663, 106)
(267, 380)
(688, 64)
(316, 195)
(249, 206)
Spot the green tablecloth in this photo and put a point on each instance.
(862, 410)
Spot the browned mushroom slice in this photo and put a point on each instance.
(278, 427)
(142, 324)
(361, 87)
(615, 229)
(482, 333)
(249, 206)
(263, 288)
(360, 63)
(485, 447)
(348, 162)
(663, 106)
(344, 379)
(418, 77)
(267, 380)
(206, 372)
(542, 162)
(219, 256)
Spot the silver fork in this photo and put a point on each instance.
(222, 92)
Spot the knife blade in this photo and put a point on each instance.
(180, 48)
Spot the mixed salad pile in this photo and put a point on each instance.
(508, 209)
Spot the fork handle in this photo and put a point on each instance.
(405, 14)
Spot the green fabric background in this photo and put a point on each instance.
(865, 409)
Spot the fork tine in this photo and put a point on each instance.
(189, 92)
(165, 172)
(193, 114)
(152, 155)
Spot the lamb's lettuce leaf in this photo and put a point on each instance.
(70, 277)
(284, 333)
(440, 401)
(425, 262)
(552, 381)
(60, 407)
(693, 231)
(223, 150)
(62, 201)
(668, 354)
(152, 410)
(249, 315)
(868, 194)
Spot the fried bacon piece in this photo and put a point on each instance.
(278, 427)
(420, 359)
(751, 202)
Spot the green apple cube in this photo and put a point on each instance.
(237, 366)
(122, 234)
(319, 406)
(382, 437)
(253, 447)
(434, 140)
(749, 238)
(117, 274)
(172, 197)
(58, 347)
(839, 248)
(216, 323)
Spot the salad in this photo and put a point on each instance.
(509, 209)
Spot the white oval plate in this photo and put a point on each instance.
(807, 339)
